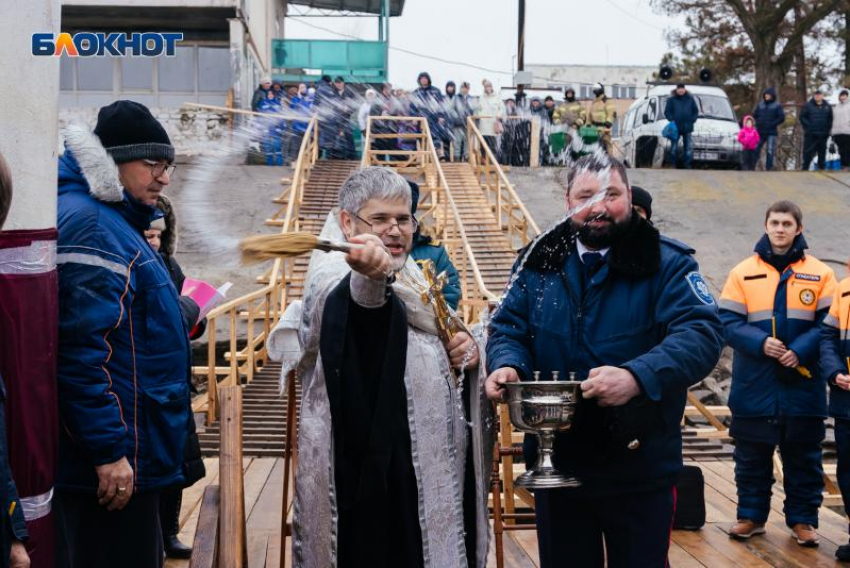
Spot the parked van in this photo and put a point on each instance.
(715, 136)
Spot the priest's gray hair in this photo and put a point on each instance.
(372, 183)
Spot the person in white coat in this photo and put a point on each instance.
(491, 107)
(363, 113)
(841, 128)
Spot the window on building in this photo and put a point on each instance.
(95, 73)
(178, 73)
(137, 73)
(214, 69)
(66, 73)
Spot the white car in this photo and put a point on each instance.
(715, 136)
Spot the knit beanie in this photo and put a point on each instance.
(128, 132)
(642, 198)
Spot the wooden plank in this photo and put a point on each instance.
(264, 520)
(233, 541)
(205, 551)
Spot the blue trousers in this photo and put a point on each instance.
(799, 444)
(687, 150)
(272, 147)
(636, 529)
(771, 151)
(842, 443)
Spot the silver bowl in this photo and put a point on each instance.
(544, 408)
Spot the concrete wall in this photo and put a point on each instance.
(29, 122)
(192, 132)
(589, 74)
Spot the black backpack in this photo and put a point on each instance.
(690, 499)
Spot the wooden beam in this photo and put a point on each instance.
(205, 546)
(233, 544)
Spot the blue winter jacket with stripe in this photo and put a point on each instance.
(123, 345)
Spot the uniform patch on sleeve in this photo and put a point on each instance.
(700, 288)
(809, 277)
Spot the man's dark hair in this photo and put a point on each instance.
(595, 163)
(5, 190)
(786, 206)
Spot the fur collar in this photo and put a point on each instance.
(636, 255)
(97, 166)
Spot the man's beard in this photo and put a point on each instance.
(398, 262)
(601, 237)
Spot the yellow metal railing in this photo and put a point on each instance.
(511, 214)
(260, 310)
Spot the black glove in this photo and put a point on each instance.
(608, 125)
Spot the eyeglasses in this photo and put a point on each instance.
(383, 225)
(158, 168)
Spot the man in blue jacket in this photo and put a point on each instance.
(123, 345)
(681, 108)
(427, 101)
(769, 116)
(816, 118)
(606, 297)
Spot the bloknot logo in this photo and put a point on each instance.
(99, 44)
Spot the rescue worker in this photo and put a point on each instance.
(771, 307)
(835, 365)
(603, 114)
(608, 298)
(429, 248)
(571, 112)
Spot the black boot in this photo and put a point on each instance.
(842, 553)
(169, 519)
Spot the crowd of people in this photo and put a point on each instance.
(506, 125)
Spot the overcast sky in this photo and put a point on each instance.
(483, 33)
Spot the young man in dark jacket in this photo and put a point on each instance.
(427, 101)
(769, 116)
(608, 298)
(681, 109)
(123, 345)
(835, 365)
(771, 307)
(816, 118)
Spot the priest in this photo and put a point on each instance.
(393, 462)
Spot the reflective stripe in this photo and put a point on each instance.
(806, 315)
(831, 321)
(37, 258)
(37, 506)
(732, 306)
(824, 302)
(90, 260)
(759, 316)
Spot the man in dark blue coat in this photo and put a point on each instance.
(681, 108)
(427, 101)
(816, 118)
(124, 352)
(334, 104)
(606, 297)
(769, 116)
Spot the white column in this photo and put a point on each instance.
(29, 112)
(238, 69)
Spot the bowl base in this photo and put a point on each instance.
(546, 478)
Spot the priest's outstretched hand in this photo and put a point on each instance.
(372, 261)
(462, 351)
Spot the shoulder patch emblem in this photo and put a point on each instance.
(809, 277)
(807, 297)
(700, 288)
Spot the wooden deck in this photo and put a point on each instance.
(709, 547)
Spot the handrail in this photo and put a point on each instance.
(260, 306)
(372, 156)
(484, 164)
